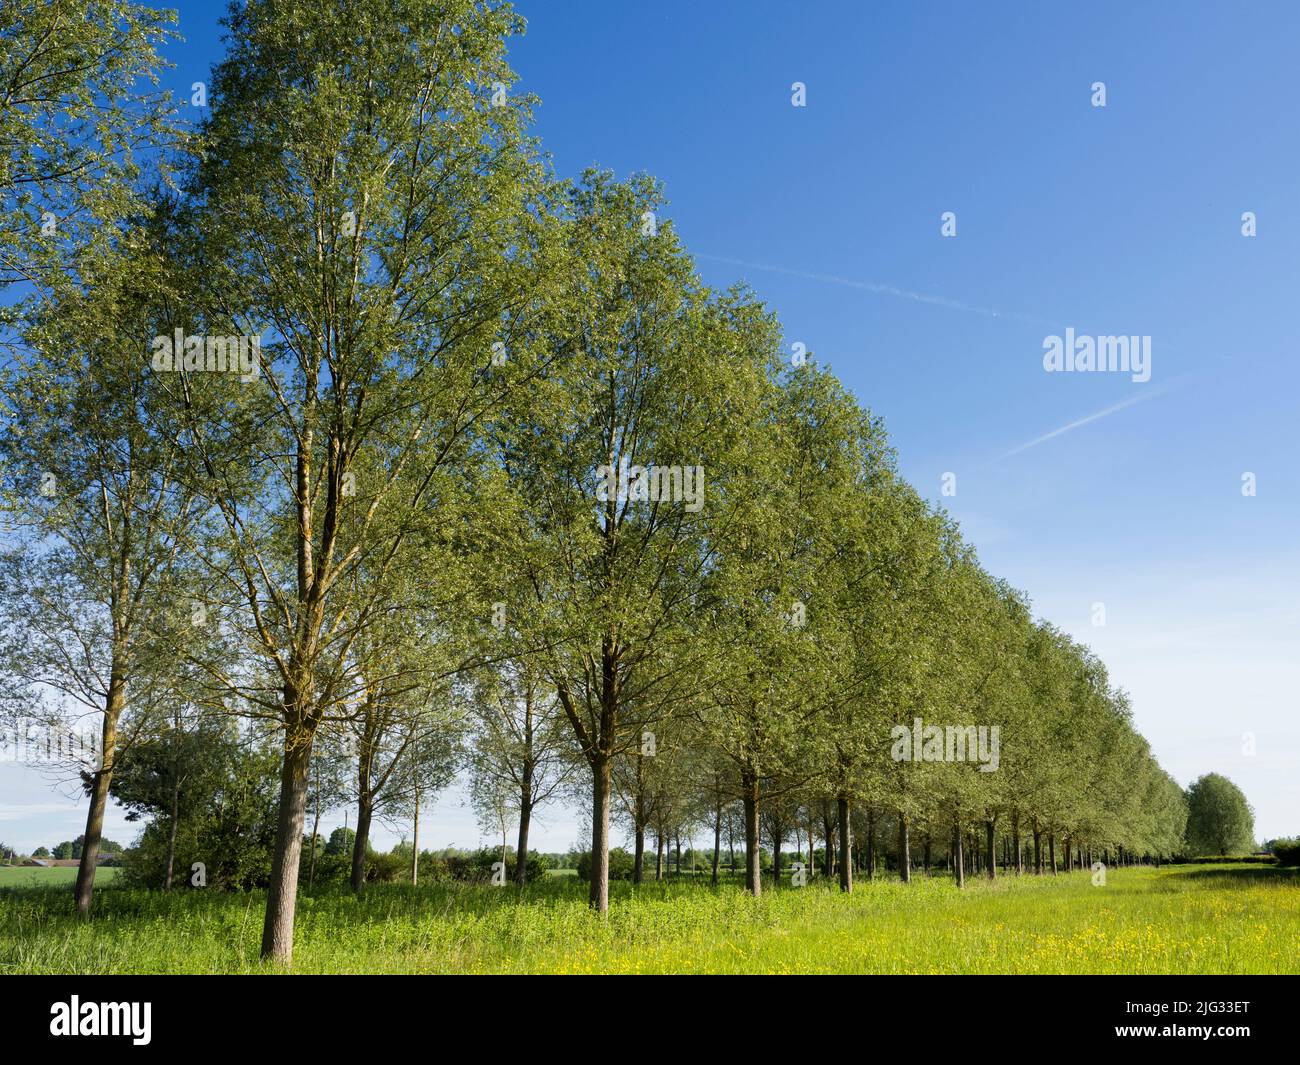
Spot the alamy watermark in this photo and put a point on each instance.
(669, 484)
(212, 354)
(948, 743)
(37, 743)
(1081, 354)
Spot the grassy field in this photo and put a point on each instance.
(32, 876)
(1178, 919)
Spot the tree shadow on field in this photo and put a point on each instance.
(1247, 875)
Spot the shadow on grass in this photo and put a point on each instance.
(1245, 875)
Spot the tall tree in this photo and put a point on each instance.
(623, 468)
(366, 186)
(1219, 819)
(96, 586)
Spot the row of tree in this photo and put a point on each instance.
(347, 420)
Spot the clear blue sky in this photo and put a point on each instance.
(1117, 220)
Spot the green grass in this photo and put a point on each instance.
(34, 876)
(1178, 919)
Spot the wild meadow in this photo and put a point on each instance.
(1228, 918)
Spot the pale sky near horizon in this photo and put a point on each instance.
(1079, 488)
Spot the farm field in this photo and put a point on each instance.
(30, 876)
(1225, 918)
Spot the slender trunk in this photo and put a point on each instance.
(989, 846)
(365, 806)
(753, 861)
(1015, 844)
(659, 855)
(1051, 846)
(525, 790)
(828, 827)
(415, 840)
(639, 817)
(315, 834)
(282, 889)
(717, 841)
(598, 897)
(904, 848)
(1038, 850)
(812, 860)
(525, 819)
(846, 869)
(871, 843)
(958, 860)
(102, 778)
(776, 857)
(171, 835)
(638, 860)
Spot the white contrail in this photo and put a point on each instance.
(879, 289)
(1082, 421)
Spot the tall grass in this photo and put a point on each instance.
(1184, 919)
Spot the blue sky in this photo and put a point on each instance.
(1117, 220)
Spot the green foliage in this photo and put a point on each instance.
(341, 841)
(1287, 851)
(77, 114)
(620, 864)
(1219, 819)
(458, 354)
(230, 831)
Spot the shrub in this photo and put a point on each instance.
(387, 868)
(1287, 851)
(477, 865)
(620, 864)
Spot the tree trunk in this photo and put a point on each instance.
(598, 897)
(659, 855)
(871, 843)
(171, 835)
(828, 826)
(1038, 850)
(1015, 844)
(958, 861)
(639, 819)
(846, 867)
(361, 842)
(904, 848)
(812, 860)
(415, 841)
(717, 841)
(315, 833)
(282, 890)
(753, 861)
(990, 847)
(114, 704)
(1051, 846)
(525, 819)
(638, 859)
